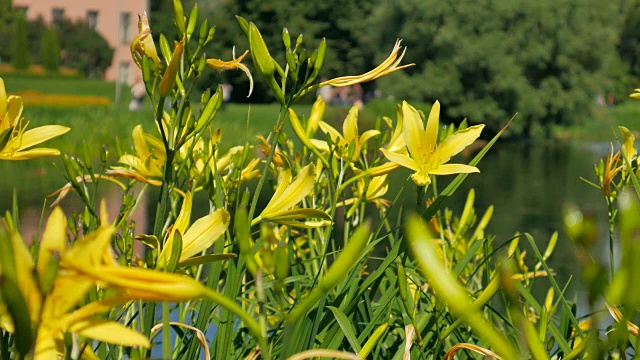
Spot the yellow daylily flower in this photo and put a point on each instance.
(288, 194)
(15, 139)
(389, 65)
(147, 164)
(426, 157)
(91, 258)
(143, 45)
(351, 135)
(234, 64)
(55, 313)
(636, 94)
(612, 167)
(200, 235)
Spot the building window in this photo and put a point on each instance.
(57, 15)
(123, 72)
(125, 27)
(92, 19)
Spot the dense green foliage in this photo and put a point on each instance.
(486, 60)
(50, 51)
(6, 29)
(84, 49)
(20, 59)
(490, 59)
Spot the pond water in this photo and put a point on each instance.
(528, 183)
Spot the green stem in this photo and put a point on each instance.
(274, 141)
(420, 192)
(166, 331)
(611, 215)
(163, 201)
(250, 322)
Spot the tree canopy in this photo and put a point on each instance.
(484, 60)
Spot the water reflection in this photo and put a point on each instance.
(529, 184)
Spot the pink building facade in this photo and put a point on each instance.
(115, 20)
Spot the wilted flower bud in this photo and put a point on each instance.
(143, 45)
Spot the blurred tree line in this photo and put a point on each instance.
(73, 44)
(484, 60)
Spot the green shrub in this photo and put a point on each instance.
(50, 51)
(20, 59)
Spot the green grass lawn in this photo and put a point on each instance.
(60, 85)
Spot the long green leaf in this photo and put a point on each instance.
(447, 288)
(346, 327)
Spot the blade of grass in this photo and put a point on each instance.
(347, 329)
(553, 281)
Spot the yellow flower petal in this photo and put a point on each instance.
(383, 169)
(317, 111)
(457, 142)
(41, 134)
(131, 174)
(169, 77)
(350, 125)
(303, 135)
(14, 109)
(109, 332)
(66, 293)
(24, 269)
(335, 136)
(300, 213)
(3, 101)
(204, 232)
(433, 123)
(54, 239)
(402, 160)
(414, 134)
(449, 169)
(232, 65)
(181, 223)
(628, 143)
(287, 195)
(46, 347)
(368, 135)
(321, 145)
(29, 154)
(389, 65)
(89, 251)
